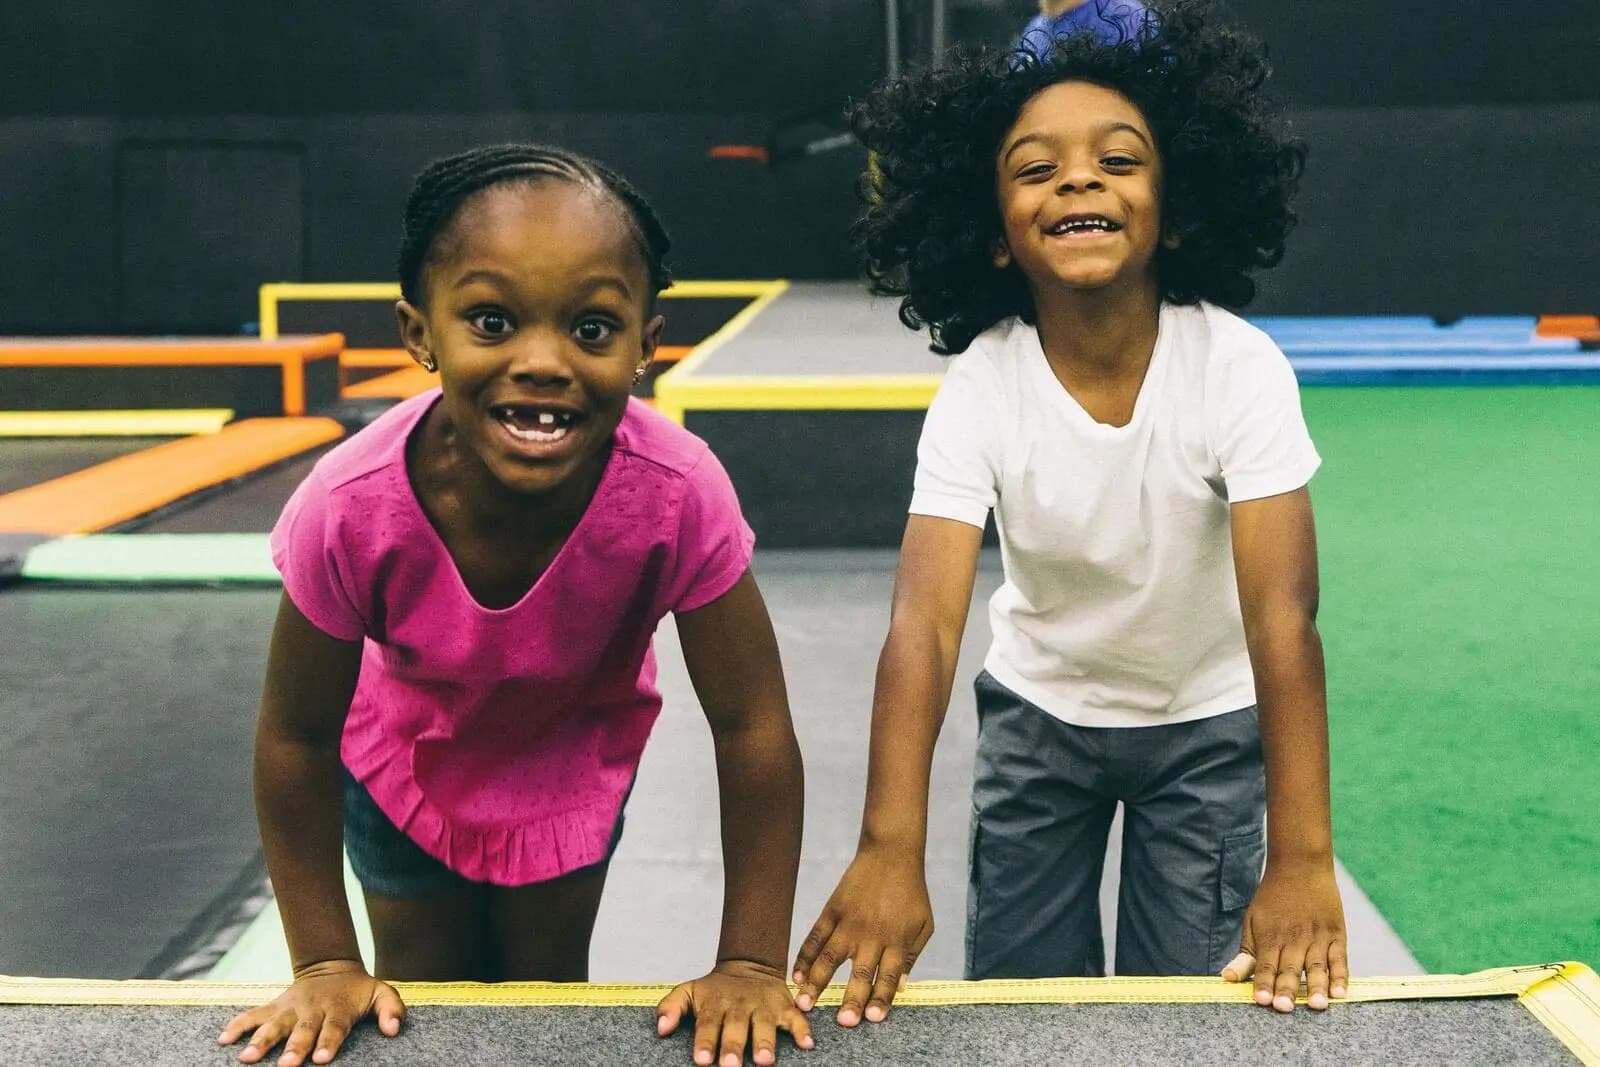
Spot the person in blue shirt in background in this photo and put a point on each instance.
(1111, 19)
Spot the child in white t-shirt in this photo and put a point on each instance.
(1073, 226)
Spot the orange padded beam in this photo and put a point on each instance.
(1583, 327)
(396, 385)
(124, 488)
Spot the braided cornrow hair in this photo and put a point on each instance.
(445, 184)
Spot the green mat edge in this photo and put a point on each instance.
(153, 559)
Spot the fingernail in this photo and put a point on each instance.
(803, 1002)
(875, 1013)
(703, 1057)
(1284, 1003)
(1338, 991)
(1317, 1001)
(848, 1018)
(799, 976)
(1263, 996)
(808, 1042)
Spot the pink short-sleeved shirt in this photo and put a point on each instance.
(503, 741)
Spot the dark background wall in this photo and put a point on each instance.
(158, 160)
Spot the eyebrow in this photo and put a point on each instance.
(1110, 127)
(590, 284)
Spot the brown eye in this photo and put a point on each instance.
(594, 331)
(493, 323)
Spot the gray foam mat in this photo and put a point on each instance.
(1486, 1031)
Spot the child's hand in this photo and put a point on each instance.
(1295, 924)
(881, 918)
(316, 1012)
(738, 1002)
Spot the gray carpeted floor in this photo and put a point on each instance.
(1105, 1035)
(825, 328)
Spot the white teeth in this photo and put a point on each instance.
(546, 419)
(1081, 225)
(538, 436)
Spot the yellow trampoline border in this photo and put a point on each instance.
(143, 423)
(271, 294)
(1563, 997)
(683, 388)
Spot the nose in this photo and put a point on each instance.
(541, 359)
(1078, 175)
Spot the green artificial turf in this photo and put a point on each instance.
(1459, 536)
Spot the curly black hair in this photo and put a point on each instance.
(445, 184)
(932, 217)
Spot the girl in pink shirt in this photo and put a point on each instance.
(462, 659)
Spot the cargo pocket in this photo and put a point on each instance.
(1238, 874)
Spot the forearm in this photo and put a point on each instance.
(1292, 697)
(762, 785)
(915, 673)
(299, 808)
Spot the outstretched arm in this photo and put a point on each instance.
(310, 680)
(1295, 923)
(880, 916)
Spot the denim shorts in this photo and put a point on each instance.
(390, 864)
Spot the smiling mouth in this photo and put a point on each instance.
(535, 425)
(1083, 224)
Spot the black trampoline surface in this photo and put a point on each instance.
(250, 505)
(29, 461)
(1477, 1031)
(125, 771)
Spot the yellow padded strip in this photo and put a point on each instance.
(880, 392)
(154, 423)
(1503, 982)
(1568, 1004)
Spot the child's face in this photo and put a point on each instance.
(1079, 186)
(537, 300)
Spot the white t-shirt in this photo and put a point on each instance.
(1120, 605)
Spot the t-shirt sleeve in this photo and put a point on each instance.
(307, 552)
(958, 455)
(1258, 431)
(714, 541)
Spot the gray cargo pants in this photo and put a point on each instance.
(1043, 797)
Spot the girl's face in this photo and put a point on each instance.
(1079, 187)
(537, 297)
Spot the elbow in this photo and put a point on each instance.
(1290, 620)
(923, 635)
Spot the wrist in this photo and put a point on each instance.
(1300, 858)
(323, 968)
(745, 966)
(904, 842)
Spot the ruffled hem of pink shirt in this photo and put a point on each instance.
(511, 855)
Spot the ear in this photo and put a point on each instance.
(414, 334)
(650, 340)
(1001, 253)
